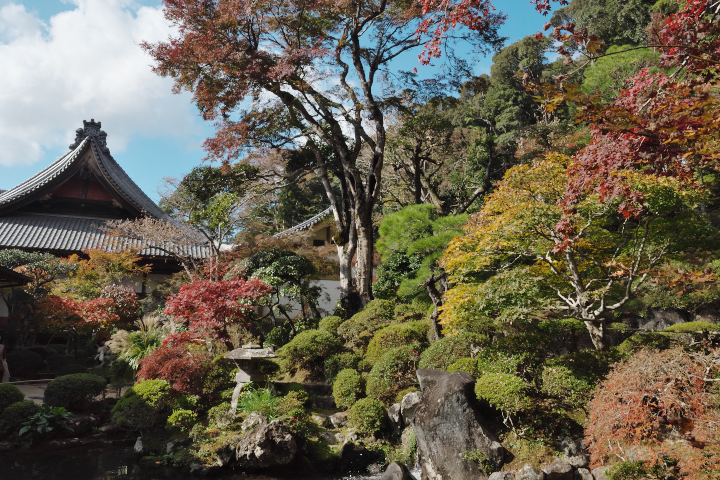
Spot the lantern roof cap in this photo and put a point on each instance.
(251, 351)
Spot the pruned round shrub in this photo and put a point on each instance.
(358, 330)
(295, 400)
(651, 340)
(308, 350)
(71, 368)
(368, 416)
(446, 351)
(9, 394)
(692, 327)
(394, 371)
(330, 324)
(503, 391)
(155, 392)
(14, 415)
(348, 388)
(561, 383)
(396, 335)
(132, 412)
(338, 362)
(74, 392)
(24, 363)
(182, 419)
(469, 365)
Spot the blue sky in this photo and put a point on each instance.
(66, 61)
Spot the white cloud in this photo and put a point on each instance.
(83, 63)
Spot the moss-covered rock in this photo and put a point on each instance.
(397, 335)
(348, 388)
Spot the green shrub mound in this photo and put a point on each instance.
(406, 312)
(293, 401)
(71, 368)
(349, 387)
(559, 382)
(692, 327)
(74, 392)
(338, 362)
(132, 412)
(358, 330)
(394, 371)
(182, 419)
(155, 392)
(9, 394)
(469, 365)
(368, 416)
(503, 391)
(55, 362)
(651, 340)
(14, 415)
(396, 335)
(448, 350)
(330, 324)
(402, 393)
(24, 363)
(308, 350)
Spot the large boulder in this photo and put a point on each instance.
(396, 421)
(660, 319)
(502, 476)
(583, 474)
(560, 469)
(267, 445)
(408, 405)
(529, 473)
(397, 471)
(448, 426)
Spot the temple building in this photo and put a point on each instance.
(64, 208)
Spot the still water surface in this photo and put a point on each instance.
(105, 464)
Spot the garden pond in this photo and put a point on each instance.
(114, 463)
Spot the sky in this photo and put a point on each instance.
(65, 61)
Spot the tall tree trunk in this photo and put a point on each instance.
(596, 328)
(364, 265)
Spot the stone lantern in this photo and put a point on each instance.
(248, 359)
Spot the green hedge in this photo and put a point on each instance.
(393, 372)
(9, 394)
(348, 388)
(692, 327)
(14, 415)
(368, 416)
(651, 340)
(397, 335)
(448, 350)
(503, 391)
(132, 412)
(24, 363)
(74, 392)
(469, 365)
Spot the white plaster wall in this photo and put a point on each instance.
(3, 309)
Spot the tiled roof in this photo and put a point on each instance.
(307, 224)
(66, 233)
(94, 137)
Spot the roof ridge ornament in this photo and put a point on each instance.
(91, 129)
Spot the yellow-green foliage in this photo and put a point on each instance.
(394, 371)
(182, 419)
(469, 365)
(155, 392)
(295, 400)
(692, 327)
(308, 350)
(651, 340)
(358, 330)
(330, 324)
(368, 416)
(348, 388)
(396, 335)
(503, 391)
(446, 351)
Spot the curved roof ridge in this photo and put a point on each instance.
(43, 176)
(119, 179)
(306, 224)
